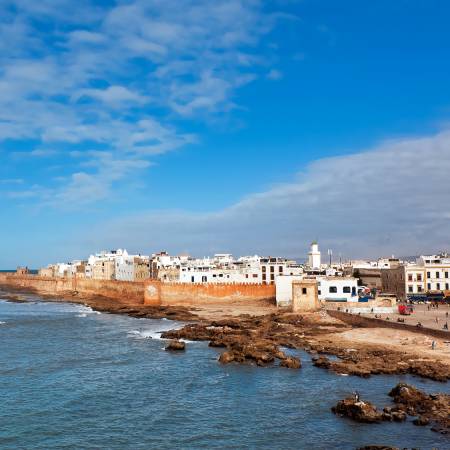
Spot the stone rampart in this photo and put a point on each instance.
(148, 292)
(125, 291)
(209, 293)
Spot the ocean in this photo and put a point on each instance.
(72, 378)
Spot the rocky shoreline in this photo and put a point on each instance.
(428, 410)
(261, 339)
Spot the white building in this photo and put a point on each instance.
(338, 289)
(436, 271)
(330, 289)
(246, 269)
(314, 260)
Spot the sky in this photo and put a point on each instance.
(243, 126)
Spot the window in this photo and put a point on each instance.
(410, 289)
(429, 286)
(410, 277)
(346, 290)
(428, 274)
(264, 277)
(319, 292)
(280, 269)
(255, 275)
(192, 279)
(446, 287)
(272, 276)
(304, 291)
(437, 274)
(246, 275)
(263, 268)
(419, 277)
(204, 279)
(272, 268)
(446, 274)
(438, 286)
(419, 288)
(333, 289)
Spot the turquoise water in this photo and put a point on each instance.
(75, 379)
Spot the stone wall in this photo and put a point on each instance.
(149, 292)
(368, 322)
(209, 293)
(125, 291)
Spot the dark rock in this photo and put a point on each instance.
(358, 411)
(421, 421)
(431, 409)
(226, 357)
(176, 346)
(378, 447)
(291, 363)
(321, 361)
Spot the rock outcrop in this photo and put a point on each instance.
(431, 409)
(427, 409)
(358, 410)
(176, 346)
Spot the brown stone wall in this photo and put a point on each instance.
(149, 292)
(125, 291)
(208, 293)
(305, 296)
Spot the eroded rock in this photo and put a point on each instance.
(358, 410)
(176, 346)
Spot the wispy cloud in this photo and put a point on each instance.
(113, 77)
(392, 198)
(275, 75)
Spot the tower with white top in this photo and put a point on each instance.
(314, 256)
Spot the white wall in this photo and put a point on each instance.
(283, 286)
(342, 285)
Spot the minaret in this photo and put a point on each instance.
(314, 256)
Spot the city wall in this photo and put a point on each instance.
(148, 292)
(125, 291)
(191, 294)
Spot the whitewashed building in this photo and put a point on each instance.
(337, 289)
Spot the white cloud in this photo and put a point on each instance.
(274, 75)
(113, 95)
(390, 199)
(115, 76)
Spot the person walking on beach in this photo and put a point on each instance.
(445, 326)
(433, 345)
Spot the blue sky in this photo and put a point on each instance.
(241, 125)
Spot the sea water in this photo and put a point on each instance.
(71, 378)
